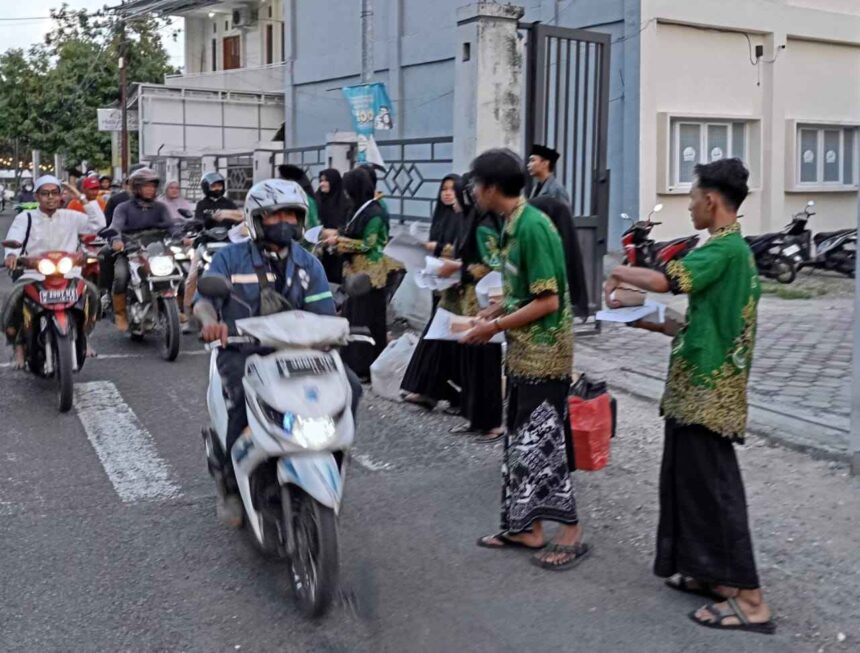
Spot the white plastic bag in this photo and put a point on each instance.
(387, 371)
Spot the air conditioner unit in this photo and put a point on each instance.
(246, 17)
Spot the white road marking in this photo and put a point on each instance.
(370, 464)
(124, 447)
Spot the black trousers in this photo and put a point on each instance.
(231, 367)
(703, 530)
(121, 274)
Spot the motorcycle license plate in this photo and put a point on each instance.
(794, 249)
(64, 296)
(309, 366)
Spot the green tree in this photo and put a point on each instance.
(49, 96)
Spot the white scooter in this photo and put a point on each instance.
(290, 462)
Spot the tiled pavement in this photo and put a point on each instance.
(802, 361)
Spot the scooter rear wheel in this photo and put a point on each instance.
(314, 563)
(784, 270)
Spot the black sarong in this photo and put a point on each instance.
(368, 311)
(536, 481)
(703, 531)
(481, 374)
(434, 369)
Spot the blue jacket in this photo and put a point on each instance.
(306, 287)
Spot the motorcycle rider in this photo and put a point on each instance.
(91, 188)
(122, 195)
(141, 213)
(46, 229)
(25, 193)
(213, 186)
(270, 273)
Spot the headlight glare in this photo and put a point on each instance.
(47, 267)
(65, 265)
(161, 266)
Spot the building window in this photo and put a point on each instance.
(214, 55)
(270, 44)
(283, 42)
(826, 155)
(214, 28)
(270, 11)
(695, 142)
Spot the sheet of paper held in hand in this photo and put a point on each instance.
(650, 311)
(447, 326)
(407, 249)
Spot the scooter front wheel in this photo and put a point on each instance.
(784, 270)
(314, 563)
(63, 354)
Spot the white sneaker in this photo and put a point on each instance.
(229, 510)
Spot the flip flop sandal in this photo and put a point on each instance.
(580, 551)
(684, 585)
(766, 628)
(491, 438)
(506, 543)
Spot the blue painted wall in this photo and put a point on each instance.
(419, 71)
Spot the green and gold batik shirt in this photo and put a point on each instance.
(533, 264)
(712, 354)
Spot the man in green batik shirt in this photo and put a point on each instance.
(704, 545)
(537, 319)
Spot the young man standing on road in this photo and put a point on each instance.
(542, 170)
(537, 318)
(704, 544)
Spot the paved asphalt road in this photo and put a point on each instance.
(83, 570)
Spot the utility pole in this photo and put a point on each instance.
(854, 433)
(123, 99)
(366, 41)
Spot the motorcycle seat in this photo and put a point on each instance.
(826, 235)
(674, 241)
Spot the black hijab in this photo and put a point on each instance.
(360, 191)
(447, 224)
(294, 173)
(334, 207)
(562, 218)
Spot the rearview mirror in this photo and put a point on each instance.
(12, 244)
(107, 232)
(357, 285)
(215, 286)
(185, 213)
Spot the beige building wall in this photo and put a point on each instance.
(697, 67)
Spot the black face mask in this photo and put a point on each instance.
(216, 194)
(281, 234)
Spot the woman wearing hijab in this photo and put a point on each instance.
(175, 202)
(292, 172)
(334, 211)
(435, 364)
(559, 212)
(361, 242)
(481, 365)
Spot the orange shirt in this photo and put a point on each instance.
(77, 205)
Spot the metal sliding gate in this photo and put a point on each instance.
(567, 108)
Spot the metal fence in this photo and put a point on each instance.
(238, 171)
(414, 168)
(311, 159)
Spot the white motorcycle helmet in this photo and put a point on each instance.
(271, 195)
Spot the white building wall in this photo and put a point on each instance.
(695, 62)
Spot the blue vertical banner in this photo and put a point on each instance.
(371, 110)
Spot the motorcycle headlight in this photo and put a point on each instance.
(309, 432)
(161, 266)
(65, 265)
(47, 267)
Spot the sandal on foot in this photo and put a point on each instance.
(505, 541)
(575, 554)
(420, 400)
(491, 436)
(689, 585)
(719, 616)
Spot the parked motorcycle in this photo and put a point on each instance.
(291, 462)
(641, 251)
(775, 256)
(835, 250)
(153, 286)
(54, 325)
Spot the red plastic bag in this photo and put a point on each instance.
(591, 424)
